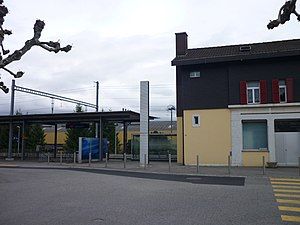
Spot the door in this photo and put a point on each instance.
(287, 146)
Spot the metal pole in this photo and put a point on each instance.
(55, 140)
(171, 121)
(106, 159)
(125, 159)
(299, 165)
(12, 105)
(97, 96)
(229, 164)
(97, 108)
(90, 158)
(116, 139)
(264, 166)
(19, 134)
(60, 157)
(23, 140)
(52, 105)
(48, 158)
(74, 158)
(197, 163)
(170, 162)
(145, 161)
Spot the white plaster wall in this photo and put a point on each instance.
(257, 113)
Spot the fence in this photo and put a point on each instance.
(160, 146)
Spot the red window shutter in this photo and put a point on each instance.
(263, 91)
(243, 92)
(275, 91)
(290, 89)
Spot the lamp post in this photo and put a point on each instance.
(171, 108)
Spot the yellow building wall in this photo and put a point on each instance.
(211, 140)
(254, 158)
(130, 135)
(179, 141)
(61, 138)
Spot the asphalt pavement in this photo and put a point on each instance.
(30, 196)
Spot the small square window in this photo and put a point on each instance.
(196, 120)
(194, 74)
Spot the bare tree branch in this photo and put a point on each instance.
(17, 54)
(284, 14)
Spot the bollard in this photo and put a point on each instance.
(125, 160)
(60, 157)
(264, 165)
(90, 158)
(74, 158)
(145, 161)
(48, 158)
(170, 162)
(197, 163)
(229, 165)
(299, 165)
(106, 158)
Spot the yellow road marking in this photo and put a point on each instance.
(290, 218)
(284, 179)
(285, 186)
(288, 201)
(286, 190)
(287, 195)
(287, 208)
(284, 183)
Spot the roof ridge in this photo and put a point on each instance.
(256, 43)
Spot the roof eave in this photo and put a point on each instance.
(182, 62)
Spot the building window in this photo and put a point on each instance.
(194, 74)
(253, 94)
(255, 135)
(196, 120)
(282, 91)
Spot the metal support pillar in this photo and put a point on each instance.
(23, 140)
(124, 137)
(100, 138)
(116, 139)
(97, 109)
(55, 140)
(12, 105)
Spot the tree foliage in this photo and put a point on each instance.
(73, 134)
(109, 133)
(4, 133)
(36, 136)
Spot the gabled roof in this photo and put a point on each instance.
(233, 53)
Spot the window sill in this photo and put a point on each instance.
(264, 105)
(255, 150)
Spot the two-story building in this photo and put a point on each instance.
(242, 100)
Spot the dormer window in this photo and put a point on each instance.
(253, 94)
(194, 74)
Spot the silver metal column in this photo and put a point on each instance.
(23, 141)
(144, 121)
(100, 138)
(12, 105)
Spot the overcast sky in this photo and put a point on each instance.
(120, 43)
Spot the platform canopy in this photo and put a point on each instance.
(116, 117)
